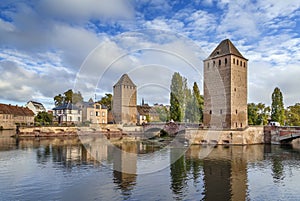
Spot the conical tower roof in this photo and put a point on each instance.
(225, 48)
(125, 80)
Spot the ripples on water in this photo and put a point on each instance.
(66, 169)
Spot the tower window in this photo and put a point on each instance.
(225, 60)
(237, 62)
(214, 63)
(244, 64)
(236, 111)
(219, 62)
(221, 111)
(210, 112)
(207, 65)
(241, 63)
(233, 60)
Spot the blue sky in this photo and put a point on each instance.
(49, 46)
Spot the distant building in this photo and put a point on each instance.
(124, 101)
(93, 112)
(143, 113)
(67, 113)
(225, 88)
(10, 116)
(36, 107)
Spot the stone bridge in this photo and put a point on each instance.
(281, 134)
(171, 127)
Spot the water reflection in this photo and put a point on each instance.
(227, 173)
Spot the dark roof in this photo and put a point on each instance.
(68, 106)
(224, 48)
(37, 105)
(125, 80)
(15, 110)
(143, 109)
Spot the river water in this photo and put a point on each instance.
(92, 169)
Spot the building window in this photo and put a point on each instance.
(244, 64)
(103, 121)
(103, 114)
(214, 63)
(221, 111)
(233, 60)
(97, 106)
(236, 111)
(234, 89)
(219, 62)
(236, 124)
(241, 63)
(91, 113)
(70, 118)
(237, 62)
(207, 65)
(241, 125)
(225, 61)
(78, 119)
(210, 112)
(97, 114)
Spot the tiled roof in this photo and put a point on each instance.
(125, 80)
(224, 48)
(15, 110)
(143, 109)
(68, 106)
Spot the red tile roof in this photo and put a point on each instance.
(15, 110)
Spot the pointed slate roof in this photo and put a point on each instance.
(224, 48)
(125, 80)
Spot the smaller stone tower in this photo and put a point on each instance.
(124, 101)
(225, 88)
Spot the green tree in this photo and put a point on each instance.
(258, 114)
(44, 118)
(179, 91)
(293, 115)
(163, 113)
(277, 113)
(199, 100)
(252, 113)
(175, 110)
(263, 114)
(68, 97)
(58, 100)
(107, 101)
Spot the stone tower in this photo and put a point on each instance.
(225, 88)
(124, 101)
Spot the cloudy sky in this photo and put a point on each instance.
(50, 46)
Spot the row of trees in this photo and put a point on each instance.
(258, 114)
(186, 104)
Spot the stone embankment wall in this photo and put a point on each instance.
(110, 130)
(250, 135)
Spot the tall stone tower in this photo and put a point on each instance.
(225, 88)
(124, 101)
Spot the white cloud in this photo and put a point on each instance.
(87, 9)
